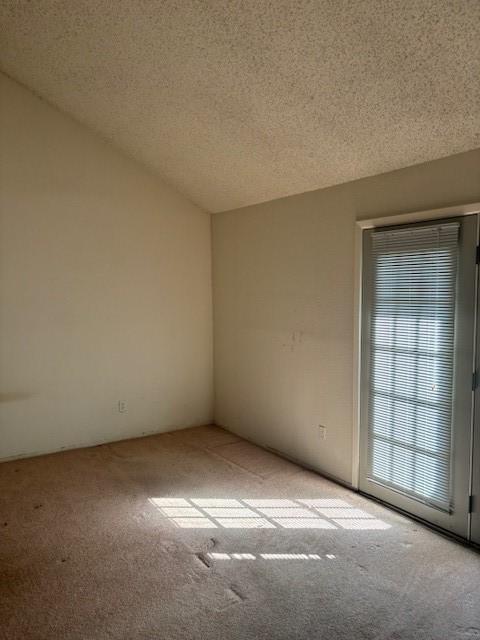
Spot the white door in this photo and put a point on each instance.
(418, 323)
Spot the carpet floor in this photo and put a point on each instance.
(197, 534)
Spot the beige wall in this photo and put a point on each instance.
(105, 289)
(105, 295)
(284, 306)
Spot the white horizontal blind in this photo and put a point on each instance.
(411, 360)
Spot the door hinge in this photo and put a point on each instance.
(474, 380)
(470, 503)
(478, 254)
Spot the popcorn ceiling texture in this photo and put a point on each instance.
(244, 101)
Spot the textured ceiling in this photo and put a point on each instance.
(240, 101)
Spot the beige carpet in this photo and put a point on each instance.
(197, 534)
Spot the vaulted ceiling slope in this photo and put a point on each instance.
(239, 101)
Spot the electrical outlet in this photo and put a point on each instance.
(122, 406)
(322, 432)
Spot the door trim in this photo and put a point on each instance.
(474, 511)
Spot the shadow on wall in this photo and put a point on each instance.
(15, 396)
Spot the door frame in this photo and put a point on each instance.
(371, 223)
(475, 439)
